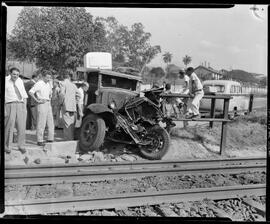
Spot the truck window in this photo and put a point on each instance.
(92, 79)
(118, 82)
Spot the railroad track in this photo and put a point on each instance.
(37, 175)
(72, 173)
(82, 203)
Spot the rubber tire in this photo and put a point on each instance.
(166, 143)
(100, 135)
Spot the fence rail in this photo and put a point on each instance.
(212, 119)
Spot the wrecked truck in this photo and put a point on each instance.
(116, 110)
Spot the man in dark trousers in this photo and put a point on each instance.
(67, 98)
(31, 120)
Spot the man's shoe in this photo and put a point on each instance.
(50, 141)
(22, 150)
(196, 116)
(7, 150)
(41, 144)
(189, 116)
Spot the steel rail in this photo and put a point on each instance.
(87, 174)
(158, 163)
(118, 201)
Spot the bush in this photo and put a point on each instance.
(255, 118)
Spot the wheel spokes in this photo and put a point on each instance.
(89, 130)
(157, 143)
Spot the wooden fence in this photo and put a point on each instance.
(224, 120)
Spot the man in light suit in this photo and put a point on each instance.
(15, 109)
(68, 105)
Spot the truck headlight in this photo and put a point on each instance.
(112, 105)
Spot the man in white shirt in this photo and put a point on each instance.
(80, 99)
(41, 92)
(196, 93)
(15, 109)
(182, 75)
(182, 102)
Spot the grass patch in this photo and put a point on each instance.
(254, 118)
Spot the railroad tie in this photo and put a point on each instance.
(219, 212)
(165, 211)
(150, 213)
(257, 206)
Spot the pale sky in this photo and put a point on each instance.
(232, 38)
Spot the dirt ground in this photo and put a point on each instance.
(246, 137)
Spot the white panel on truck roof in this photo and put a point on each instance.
(98, 60)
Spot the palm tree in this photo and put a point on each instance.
(186, 60)
(167, 57)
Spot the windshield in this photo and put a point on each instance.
(118, 82)
(214, 88)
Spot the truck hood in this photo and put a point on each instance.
(119, 96)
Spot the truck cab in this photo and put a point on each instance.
(106, 86)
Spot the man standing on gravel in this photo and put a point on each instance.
(196, 94)
(31, 104)
(15, 109)
(41, 92)
(68, 105)
(80, 102)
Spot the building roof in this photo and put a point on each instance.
(110, 72)
(208, 69)
(221, 82)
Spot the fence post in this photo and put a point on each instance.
(224, 126)
(250, 106)
(185, 123)
(212, 112)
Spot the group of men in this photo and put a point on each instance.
(193, 87)
(43, 95)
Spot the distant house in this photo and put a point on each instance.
(207, 73)
(223, 71)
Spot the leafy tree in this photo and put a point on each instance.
(167, 57)
(56, 38)
(156, 73)
(186, 60)
(129, 44)
(263, 82)
(172, 72)
(241, 76)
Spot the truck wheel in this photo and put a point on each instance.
(92, 133)
(160, 141)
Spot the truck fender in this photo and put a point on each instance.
(98, 108)
(104, 112)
